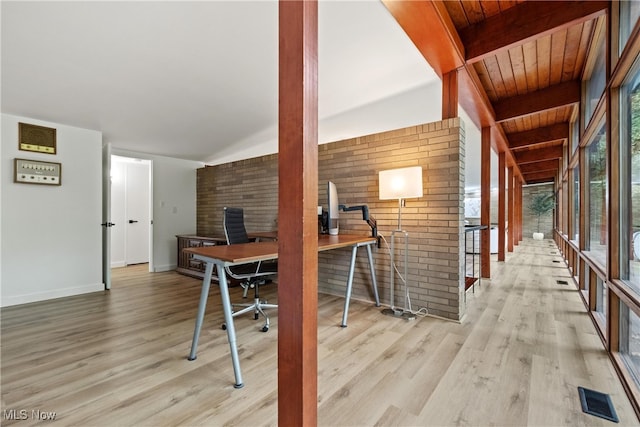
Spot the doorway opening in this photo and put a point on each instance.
(131, 211)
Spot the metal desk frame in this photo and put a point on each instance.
(221, 257)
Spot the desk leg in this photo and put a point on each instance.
(228, 317)
(231, 329)
(347, 297)
(204, 294)
(374, 282)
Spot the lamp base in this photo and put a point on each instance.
(396, 312)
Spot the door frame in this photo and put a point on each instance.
(106, 215)
(107, 201)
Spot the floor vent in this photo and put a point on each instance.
(598, 404)
(562, 282)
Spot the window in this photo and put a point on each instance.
(586, 279)
(630, 341)
(596, 83)
(576, 205)
(597, 188)
(629, 14)
(601, 298)
(575, 136)
(630, 180)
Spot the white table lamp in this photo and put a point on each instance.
(402, 183)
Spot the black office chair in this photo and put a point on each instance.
(250, 275)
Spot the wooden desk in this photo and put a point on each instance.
(228, 255)
(190, 266)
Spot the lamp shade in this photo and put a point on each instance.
(402, 183)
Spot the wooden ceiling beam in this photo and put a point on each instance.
(515, 25)
(539, 175)
(545, 165)
(430, 28)
(477, 105)
(556, 96)
(540, 181)
(539, 135)
(540, 154)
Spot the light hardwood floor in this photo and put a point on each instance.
(119, 357)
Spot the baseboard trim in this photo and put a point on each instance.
(163, 268)
(51, 294)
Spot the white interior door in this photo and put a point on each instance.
(137, 212)
(106, 215)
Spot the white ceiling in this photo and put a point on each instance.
(194, 80)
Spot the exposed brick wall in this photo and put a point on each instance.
(434, 222)
(251, 184)
(529, 220)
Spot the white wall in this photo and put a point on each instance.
(472, 151)
(422, 104)
(51, 238)
(174, 204)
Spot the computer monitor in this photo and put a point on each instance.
(333, 209)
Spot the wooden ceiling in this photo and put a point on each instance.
(519, 66)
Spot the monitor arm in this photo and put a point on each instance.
(365, 217)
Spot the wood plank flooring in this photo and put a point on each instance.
(118, 358)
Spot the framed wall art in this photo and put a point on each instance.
(35, 138)
(37, 172)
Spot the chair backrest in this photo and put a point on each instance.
(233, 223)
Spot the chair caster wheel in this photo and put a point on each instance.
(264, 329)
(255, 316)
(224, 327)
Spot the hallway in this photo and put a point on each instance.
(119, 357)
